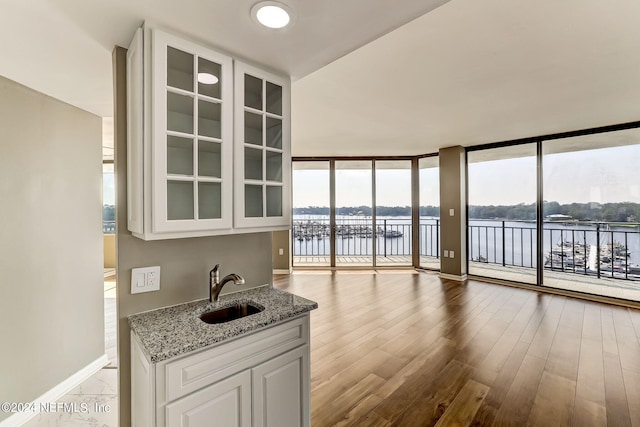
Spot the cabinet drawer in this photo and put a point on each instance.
(198, 370)
(227, 403)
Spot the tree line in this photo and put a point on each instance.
(606, 212)
(108, 213)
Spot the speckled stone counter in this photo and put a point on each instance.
(172, 331)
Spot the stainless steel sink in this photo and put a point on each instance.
(227, 314)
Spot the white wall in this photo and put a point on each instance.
(51, 304)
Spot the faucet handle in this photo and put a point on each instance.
(214, 271)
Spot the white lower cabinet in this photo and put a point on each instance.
(260, 379)
(281, 390)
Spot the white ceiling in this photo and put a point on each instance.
(63, 47)
(469, 72)
(474, 72)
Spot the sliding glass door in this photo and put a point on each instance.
(393, 212)
(502, 194)
(354, 213)
(311, 212)
(429, 212)
(592, 213)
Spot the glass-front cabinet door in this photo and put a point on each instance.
(262, 149)
(192, 107)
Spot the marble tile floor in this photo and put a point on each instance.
(94, 403)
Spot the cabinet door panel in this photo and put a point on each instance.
(274, 98)
(179, 156)
(262, 149)
(209, 200)
(274, 133)
(280, 390)
(209, 159)
(209, 114)
(227, 403)
(179, 113)
(179, 200)
(274, 201)
(179, 69)
(210, 78)
(191, 100)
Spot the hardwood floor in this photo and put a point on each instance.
(409, 349)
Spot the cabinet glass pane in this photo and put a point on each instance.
(274, 201)
(252, 163)
(179, 155)
(179, 200)
(209, 200)
(252, 128)
(252, 92)
(252, 201)
(209, 119)
(209, 159)
(209, 78)
(179, 69)
(274, 98)
(179, 113)
(274, 133)
(274, 166)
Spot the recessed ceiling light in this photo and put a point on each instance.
(207, 79)
(272, 14)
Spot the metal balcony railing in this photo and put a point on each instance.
(598, 249)
(588, 248)
(355, 237)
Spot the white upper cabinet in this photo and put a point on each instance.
(262, 149)
(181, 142)
(192, 136)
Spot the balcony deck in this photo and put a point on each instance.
(616, 288)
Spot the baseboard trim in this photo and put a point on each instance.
(57, 392)
(453, 277)
(282, 271)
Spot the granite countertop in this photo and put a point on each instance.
(171, 331)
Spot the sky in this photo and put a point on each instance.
(353, 188)
(108, 189)
(600, 175)
(603, 175)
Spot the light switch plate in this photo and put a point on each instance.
(446, 253)
(451, 254)
(145, 279)
(452, 212)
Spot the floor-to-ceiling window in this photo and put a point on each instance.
(556, 211)
(502, 194)
(354, 213)
(429, 212)
(109, 237)
(108, 199)
(393, 212)
(592, 213)
(311, 214)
